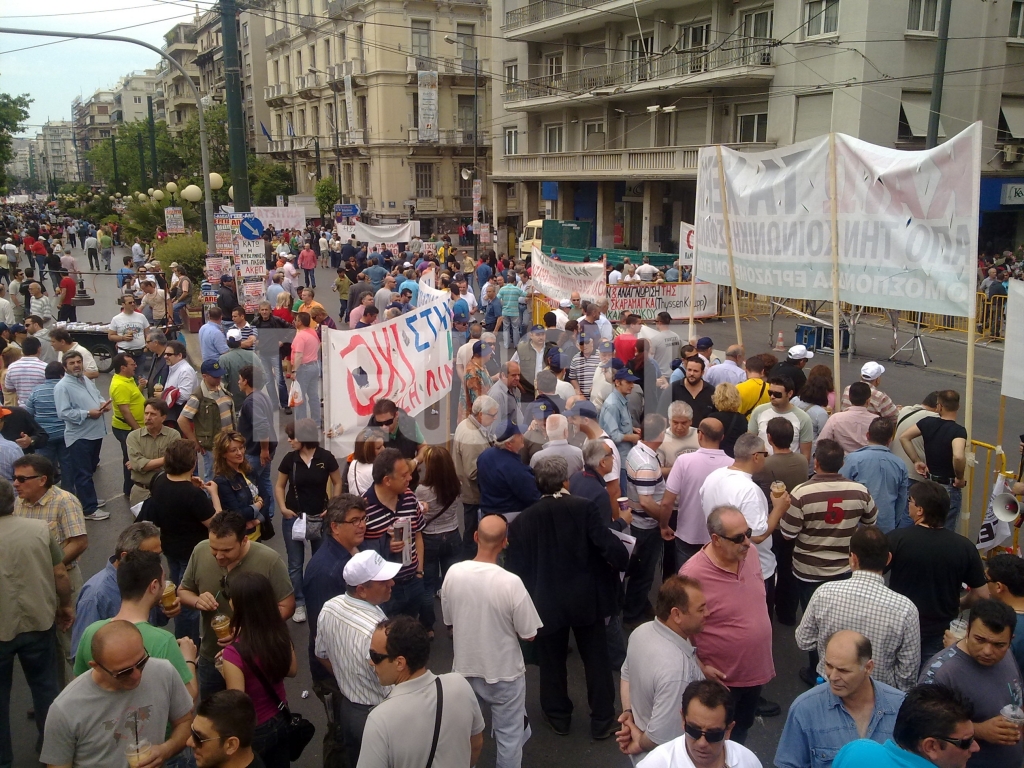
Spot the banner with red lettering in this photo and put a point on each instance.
(907, 221)
(559, 279)
(407, 360)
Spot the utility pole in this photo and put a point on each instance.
(316, 145)
(152, 141)
(939, 75)
(233, 99)
(142, 166)
(113, 154)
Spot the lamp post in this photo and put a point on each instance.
(337, 143)
(204, 147)
(476, 117)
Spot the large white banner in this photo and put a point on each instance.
(350, 109)
(908, 222)
(407, 360)
(558, 279)
(427, 97)
(1013, 366)
(648, 299)
(382, 233)
(285, 217)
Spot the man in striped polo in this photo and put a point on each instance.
(823, 514)
(344, 630)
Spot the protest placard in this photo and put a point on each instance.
(558, 279)
(174, 221)
(648, 299)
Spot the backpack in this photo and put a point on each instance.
(207, 421)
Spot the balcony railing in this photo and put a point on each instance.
(277, 37)
(643, 161)
(336, 7)
(451, 137)
(746, 52)
(307, 22)
(276, 92)
(306, 84)
(338, 71)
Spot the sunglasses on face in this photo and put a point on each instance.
(739, 538)
(385, 423)
(377, 658)
(25, 478)
(139, 665)
(711, 735)
(776, 393)
(964, 743)
(198, 738)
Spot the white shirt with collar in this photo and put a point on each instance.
(674, 755)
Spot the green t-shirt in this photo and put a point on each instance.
(203, 574)
(106, 241)
(159, 643)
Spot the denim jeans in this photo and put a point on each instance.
(640, 574)
(406, 599)
(310, 277)
(82, 458)
(176, 311)
(37, 652)
(57, 453)
(107, 253)
(210, 680)
(296, 557)
(275, 386)
(510, 327)
(509, 724)
(308, 377)
(440, 552)
(186, 623)
(270, 744)
(955, 500)
(122, 438)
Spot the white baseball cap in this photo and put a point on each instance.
(565, 304)
(800, 352)
(369, 566)
(234, 334)
(871, 371)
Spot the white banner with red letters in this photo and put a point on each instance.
(558, 279)
(648, 299)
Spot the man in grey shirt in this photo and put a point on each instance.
(400, 730)
(125, 697)
(557, 428)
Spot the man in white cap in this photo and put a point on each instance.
(344, 631)
(879, 403)
(562, 314)
(793, 366)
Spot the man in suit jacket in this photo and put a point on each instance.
(570, 563)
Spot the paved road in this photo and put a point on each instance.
(906, 383)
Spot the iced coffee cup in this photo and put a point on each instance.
(1013, 713)
(138, 752)
(958, 629)
(169, 596)
(221, 625)
(778, 489)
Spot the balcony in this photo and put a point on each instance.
(451, 137)
(277, 37)
(308, 85)
(652, 163)
(747, 61)
(547, 20)
(336, 72)
(335, 8)
(308, 22)
(277, 95)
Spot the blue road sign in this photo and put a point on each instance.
(338, 207)
(349, 210)
(251, 228)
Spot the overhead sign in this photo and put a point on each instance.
(1012, 194)
(174, 221)
(251, 228)
(347, 209)
(907, 222)
(558, 279)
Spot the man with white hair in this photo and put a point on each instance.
(557, 428)
(681, 436)
(562, 314)
(472, 437)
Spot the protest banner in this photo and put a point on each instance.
(225, 228)
(558, 279)
(174, 221)
(687, 243)
(1012, 384)
(648, 299)
(407, 360)
(214, 268)
(426, 82)
(384, 233)
(285, 217)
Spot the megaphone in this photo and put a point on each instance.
(1006, 507)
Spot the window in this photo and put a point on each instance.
(1016, 17)
(923, 14)
(348, 183)
(312, 56)
(361, 105)
(327, 52)
(593, 135)
(364, 178)
(640, 49)
(695, 40)
(420, 38)
(465, 185)
(915, 111)
(314, 121)
(511, 72)
(245, 32)
(424, 174)
(465, 115)
(823, 17)
(757, 24)
(137, 99)
(248, 65)
(104, 134)
(464, 33)
(1011, 119)
(752, 128)
(553, 66)
(277, 72)
(298, 63)
(553, 138)
(511, 141)
(342, 50)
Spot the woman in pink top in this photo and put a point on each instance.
(307, 263)
(262, 648)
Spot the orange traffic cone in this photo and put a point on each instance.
(780, 345)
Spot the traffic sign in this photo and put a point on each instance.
(338, 207)
(251, 228)
(348, 209)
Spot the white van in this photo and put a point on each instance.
(531, 237)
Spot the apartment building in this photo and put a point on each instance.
(348, 76)
(174, 100)
(252, 55)
(600, 106)
(55, 152)
(23, 159)
(131, 94)
(93, 122)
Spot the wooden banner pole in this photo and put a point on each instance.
(837, 337)
(728, 247)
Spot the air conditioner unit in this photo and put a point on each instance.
(1011, 153)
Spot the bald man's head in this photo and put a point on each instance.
(735, 352)
(117, 648)
(111, 635)
(851, 644)
(491, 532)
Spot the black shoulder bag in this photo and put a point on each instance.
(437, 721)
(314, 525)
(297, 731)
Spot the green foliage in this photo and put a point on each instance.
(13, 112)
(24, 186)
(326, 194)
(188, 250)
(144, 218)
(168, 158)
(78, 189)
(187, 143)
(267, 180)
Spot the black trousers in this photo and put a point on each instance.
(745, 700)
(787, 586)
(592, 645)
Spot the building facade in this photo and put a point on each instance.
(174, 100)
(56, 153)
(131, 96)
(345, 77)
(93, 122)
(600, 108)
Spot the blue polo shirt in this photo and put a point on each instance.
(506, 484)
(324, 579)
(862, 752)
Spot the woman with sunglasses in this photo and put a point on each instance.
(258, 660)
(369, 442)
(438, 493)
(236, 490)
(301, 489)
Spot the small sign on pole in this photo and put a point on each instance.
(174, 221)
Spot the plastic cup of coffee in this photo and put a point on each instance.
(1013, 713)
(623, 503)
(778, 489)
(170, 595)
(958, 628)
(138, 752)
(221, 625)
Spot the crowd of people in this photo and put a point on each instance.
(670, 507)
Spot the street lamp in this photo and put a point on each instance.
(476, 138)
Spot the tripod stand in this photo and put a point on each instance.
(917, 340)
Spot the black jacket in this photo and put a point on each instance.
(568, 560)
(701, 404)
(20, 420)
(786, 368)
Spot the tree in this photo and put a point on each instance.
(13, 112)
(168, 158)
(267, 180)
(326, 194)
(217, 138)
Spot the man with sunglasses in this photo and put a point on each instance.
(737, 635)
(933, 728)
(181, 377)
(400, 431)
(780, 392)
(708, 722)
(128, 328)
(222, 732)
(126, 697)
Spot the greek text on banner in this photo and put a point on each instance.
(558, 279)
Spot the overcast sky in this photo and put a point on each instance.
(54, 74)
